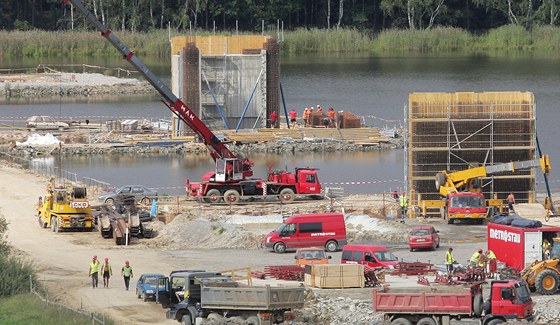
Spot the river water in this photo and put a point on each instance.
(373, 86)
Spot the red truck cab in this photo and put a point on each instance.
(510, 300)
(466, 205)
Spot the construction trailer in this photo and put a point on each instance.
(457, 131)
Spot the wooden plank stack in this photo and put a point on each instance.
(334, 276)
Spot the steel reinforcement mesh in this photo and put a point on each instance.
(191, 78)
(273, 77)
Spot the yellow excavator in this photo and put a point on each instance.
(544, 276)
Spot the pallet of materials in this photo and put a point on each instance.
(334, 275)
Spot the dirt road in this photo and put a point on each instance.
(63, 258)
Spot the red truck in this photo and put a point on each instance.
(518, 247)
(216, 187)
(509, 300)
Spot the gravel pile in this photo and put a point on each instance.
(545, 313)
(338, 310)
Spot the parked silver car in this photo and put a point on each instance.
(45, 123)
(141, 194)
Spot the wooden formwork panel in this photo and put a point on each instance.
(455, 131)
(220, 45)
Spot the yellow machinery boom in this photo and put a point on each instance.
(463, 180)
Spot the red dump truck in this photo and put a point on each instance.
(509, 300)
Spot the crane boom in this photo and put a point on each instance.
(218, 149)
(462, 180)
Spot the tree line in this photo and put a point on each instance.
(372, 16)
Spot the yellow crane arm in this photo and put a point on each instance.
(462, 180)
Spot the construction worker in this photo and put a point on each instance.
(126, 272)
(94, 271)
(305, 117)
(39, 203)
(107, 271)
(293, 116)
(476, 258)
(491, 264)
(273, 117)
(402, 203)
(511, 201)
(546, 247)
(449, 260)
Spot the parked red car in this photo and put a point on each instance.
(423, 237)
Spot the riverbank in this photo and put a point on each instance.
(62, 84)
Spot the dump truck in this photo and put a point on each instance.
(195, 295)
(65, 209)
(509, 300)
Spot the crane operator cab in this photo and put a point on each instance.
(228, 169)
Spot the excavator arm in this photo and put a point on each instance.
(463, 180)
(218, 149)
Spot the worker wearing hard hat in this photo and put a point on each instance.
(402, 203)
(476, 258)
(94, 271)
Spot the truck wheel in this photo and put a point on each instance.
(231, 196)
(280, 248)
(54, 224)
(287, 195)
(110, 201)
(213, 196)
(426, 321)
(440, 180)
(253, 320)
(41, 224)
(495, 321)
(401, 321)
(547, 282)
(145, 201)
(477, 304)
(186, 320)
(331, 246)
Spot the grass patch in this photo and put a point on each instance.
(29, 309)
(37, 43)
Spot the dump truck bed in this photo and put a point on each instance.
(252, 298)
(423, 302)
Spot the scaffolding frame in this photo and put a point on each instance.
(456, 131)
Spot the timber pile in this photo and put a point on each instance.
(365, 136)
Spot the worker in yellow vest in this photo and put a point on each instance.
(94, 271)
(476, 258)
(403, 203)
(449, 260)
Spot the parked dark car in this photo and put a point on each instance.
(147, 285)
(141, 194)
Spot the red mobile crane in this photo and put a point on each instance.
(230, 178)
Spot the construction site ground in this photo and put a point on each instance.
(203, 237)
